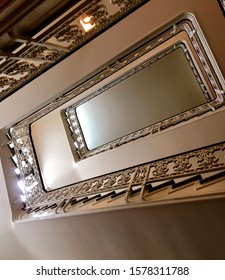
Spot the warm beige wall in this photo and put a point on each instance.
(184, 231)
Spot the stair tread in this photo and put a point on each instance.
(159, 185)
(185, 180)
(105, 195)
(212, 176)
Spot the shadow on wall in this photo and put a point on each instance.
(11, 249)
(191, 230)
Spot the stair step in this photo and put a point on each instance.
(118, 193)
(136, 190)
(183, 181)
(105, 195)
(75, 201)
(207, 177)
(158, 185)
(91, 198)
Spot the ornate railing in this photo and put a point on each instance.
(211, 102)
(125, 183)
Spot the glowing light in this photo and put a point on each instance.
(30, 159)
(21, 186)
(17, 171)
(25, 150)
(11, 145)
(23, 198)
(34, 184)
(87, 23)
(14, 158)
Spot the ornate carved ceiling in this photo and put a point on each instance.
(35, 35)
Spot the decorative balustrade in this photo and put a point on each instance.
(121, 183)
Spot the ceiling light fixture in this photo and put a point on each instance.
(87, 23)
(23, 198)
(21, 186)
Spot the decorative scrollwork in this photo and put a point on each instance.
(98, 15)
(21, 68)
(123, 3)
(109, 182)
(160, 169)
(43, 53)
(79, 141)
(96, 185)
(141, 173)
(125, 177)
(181, 164)
(70, 33)
(27, 164)
(85, 189)
(188, 163)
(52, 55)
(36, 52)
(6, 81)
(207, 159)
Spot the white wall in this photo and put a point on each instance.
(192, 230)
